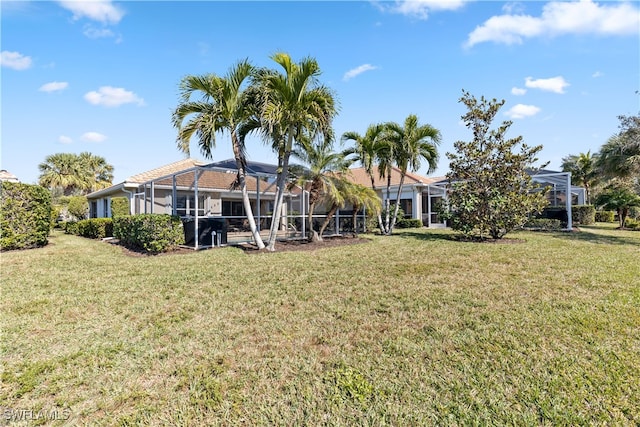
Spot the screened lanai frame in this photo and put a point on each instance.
(163, 194)
(559, 184)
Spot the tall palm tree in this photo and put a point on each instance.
(224, 106)
(293, 104)
(320, 178)
(620, 157)
(583, 171)
(411, 143)
(368, 148)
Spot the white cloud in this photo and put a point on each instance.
(553, 84)
(597, 74)
(520, 111)
(518, 91)
(63, 139)
(109, 96)
(53, 86)
(93, 137)
(15, 60)
(582, 17)
(421, 8)
(97, 33)
(357, 71)
(97, 10)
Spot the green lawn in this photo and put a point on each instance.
(415, 329)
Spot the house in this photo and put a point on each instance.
(8, 176)
(421, 196)
(418, 200)
(196, 190)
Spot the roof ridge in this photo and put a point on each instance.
(143, 176)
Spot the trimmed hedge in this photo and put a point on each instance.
(25, 216)
(632, 224)
(119, 206)
(583, 214)
(543, 224)
(95, 228)
(409, 223)
(605, 216)
(149, 232)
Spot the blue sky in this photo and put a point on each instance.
(103, 76)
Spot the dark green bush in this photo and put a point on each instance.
(605, 216)
(25, 216)
(149, 232)
(583, 214)
(71, 227)
(119, 206)
(409, 223)
(543, 224)
(555, 213)
(95, 228)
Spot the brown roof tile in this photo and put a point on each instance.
(360, 176)
(169, 169)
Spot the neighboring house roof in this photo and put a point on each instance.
(165, 170)
(360, 176)
(8, 176)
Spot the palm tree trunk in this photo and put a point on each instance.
(242, 178)
(277, 210)
(327, 220)
(387, 206)
(395, 212)
(373, 187)
(354, 219)
(313, 234)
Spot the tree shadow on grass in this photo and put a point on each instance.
(585, 235)
(430, 235)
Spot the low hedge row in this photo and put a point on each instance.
(149, 232)
(543, 224)
(409, 223)
(93, 228)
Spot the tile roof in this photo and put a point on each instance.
(216, 180)
(169, 169)
(360, 176)
(5, 175)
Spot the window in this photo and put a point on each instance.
(186, 205)
(407, 206)
(105, 208)
(232, 208)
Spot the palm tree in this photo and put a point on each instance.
(583, 171)
(360, 197)
(620, 199)
(99, 173)
(620, 156)
(293, 104)
(411, 143)
(367, 149)
(62, 171)
(225, 106)
(324, 167)
(335, 200)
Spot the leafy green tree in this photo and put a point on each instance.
(583, 171)
(324, 168)
(490, 191)
(224, 106)
(619, 198)
(366, 151)
(78, 207)
(411, 143)
(293, 105)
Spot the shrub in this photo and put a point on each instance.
(409, 223)
(71, 227)
(25, 216)
(555, 213)
(583, 214)
(95, 228)
(149, 232)
(632, 224)
(543, 224)
(78, 207)
(119, 206)
(605, 216)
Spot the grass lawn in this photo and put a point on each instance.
(414, 329)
